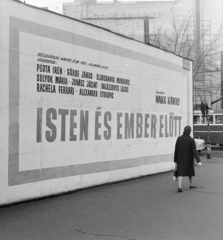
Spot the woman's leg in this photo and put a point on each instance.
(191, 180)
(180, 181)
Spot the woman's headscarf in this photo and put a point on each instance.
(187, 130)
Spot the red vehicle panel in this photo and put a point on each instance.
(215, 126)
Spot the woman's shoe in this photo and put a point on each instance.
(180, 189)
(192, 187)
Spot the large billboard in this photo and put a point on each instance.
(82, 106)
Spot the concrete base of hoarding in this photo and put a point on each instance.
(101, 180)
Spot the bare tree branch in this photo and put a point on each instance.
(180, 38)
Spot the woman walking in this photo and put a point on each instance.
(184, 154)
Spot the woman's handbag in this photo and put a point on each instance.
(175, 175)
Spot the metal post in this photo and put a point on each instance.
(222, 79)
(146, 29)
(208, 141)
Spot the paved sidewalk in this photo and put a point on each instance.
(148, 208)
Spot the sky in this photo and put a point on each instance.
(56, 5)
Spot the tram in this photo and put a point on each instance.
(215, 118)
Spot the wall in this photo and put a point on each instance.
(160, 13)
(114, 16)
(81, 106)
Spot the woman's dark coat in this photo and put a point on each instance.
(185, 152)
